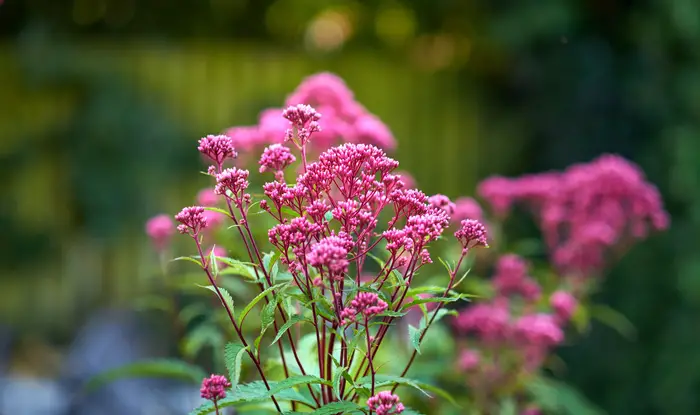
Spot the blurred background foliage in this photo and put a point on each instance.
(101, 102)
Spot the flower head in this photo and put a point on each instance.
(385, 403)
(466, 208)
(192, 220)
(472, 233)
(160, 229)
(304, 119)
(442, 202)
(218, 148)
(276, 157)
(366, 304)
(331, 253)
(469, 360)
(564, 304)
(235, 181)
(214, 387)
(207, 197)
(539, 330)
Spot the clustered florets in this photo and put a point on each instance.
(366, 304)
(218, 148)
(192, 220)
(471, 233)
(385, 403)
(585, 211)
(214, 387)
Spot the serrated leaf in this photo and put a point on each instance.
(236, 267)
(414, 334)
(343, 407)
(256, 300)
(155, 368)
(386, 380)
(286, 326)
(227, 300)
(270, 262)
(293, 381)
(336, 381)
(268, 313)
(188, 258)
(251, 393)
(233, 356)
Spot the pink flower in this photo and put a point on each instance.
(385, 403)
(304, 119)
(472, 233)
(160, 229)
(564, 304)
(331, 253)
(371, 130)
(366, 304)
(276, 157)
(540, 330)
(409, 182)
(247, 138)
(442, 202)
(218, 148)
(214, 387)
(466, 208)
(192, 220)
(511, 278)
(235, 181)
(207, 198)
(531, 410)
(490, 321)
(469, 360)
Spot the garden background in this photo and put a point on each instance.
(101, 102)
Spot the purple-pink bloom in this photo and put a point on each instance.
(276, 157)
(304, 119)
(531, 410)
(331, 253)
(564, 304)
(472, 233)
(469, 360)
(442, 202)
(214, 387)
(235, 181)
(218, 148)
(160, 229)
(366, 304)
(511, 277)
(467, 208)
(207, 198)
(539, 330)
(490, 321)
(192, 220)
(385, 403)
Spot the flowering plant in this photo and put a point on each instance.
(329, 250)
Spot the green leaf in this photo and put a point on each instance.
(268, 313)
(336, 381)
(192, 311)
(293, 381)
(409, 411)
(414, 334)
(390, 313)
(343, 407)
(190, 259)
(250, 393)
(227, 300)
(233, 355)
(558, 398)
(270, 263)
(213, 263)
(615, 320)
(236, 267)
(155, 368)
(440, 314)
(286, 326)
(256, 300)
(219, 210)
(387, 380)
(451, 299)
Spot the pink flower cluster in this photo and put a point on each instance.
(214, 387)
(344, 119)
(509, 335)
(385, 403)
(160, 229)
(192, 220)
(365, 304)
(586, 212)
